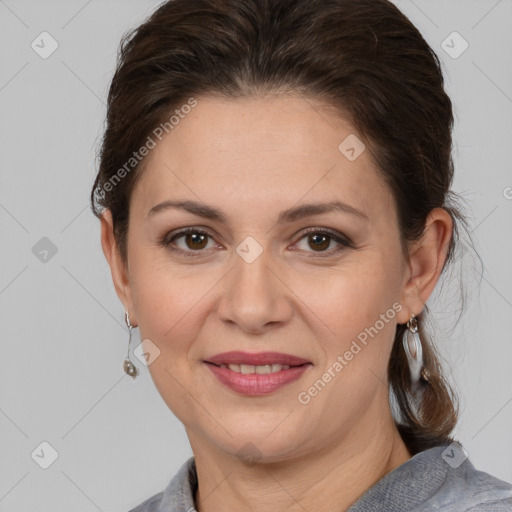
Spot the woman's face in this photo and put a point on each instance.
(266, 274)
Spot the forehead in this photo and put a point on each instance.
(259, 152)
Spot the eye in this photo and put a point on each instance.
(194, 241)
(321, 239)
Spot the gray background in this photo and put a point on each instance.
(64, 339)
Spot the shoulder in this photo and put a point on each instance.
(150, 505)
(179, 494)
(458, 485)
(466, 488)
(440, 478)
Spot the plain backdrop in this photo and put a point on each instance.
(113, 442)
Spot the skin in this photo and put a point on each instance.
(252, 158)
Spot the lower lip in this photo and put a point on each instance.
(256, 384)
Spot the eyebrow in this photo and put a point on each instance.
(286, 216)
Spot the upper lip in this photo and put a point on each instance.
(256, 359)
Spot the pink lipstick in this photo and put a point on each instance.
(256, 374)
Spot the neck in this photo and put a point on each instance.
(332, 478)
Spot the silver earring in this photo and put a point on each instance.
(128, 366)
(414, 352)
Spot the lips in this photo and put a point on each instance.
(256, 374)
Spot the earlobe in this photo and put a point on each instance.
(426, 260)
(117, 267)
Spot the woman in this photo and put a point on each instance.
(275, 205)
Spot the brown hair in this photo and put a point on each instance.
(363, 57)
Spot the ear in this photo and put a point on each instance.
(118, 269)
(426, 260)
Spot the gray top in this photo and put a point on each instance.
(440, 478)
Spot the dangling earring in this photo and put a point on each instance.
(414, 353)
(128, 366)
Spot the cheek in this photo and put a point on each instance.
(349, 299)
(164, 308)
(167, 309)
(165, 294)
(360, 307)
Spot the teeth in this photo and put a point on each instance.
(260, 369)
(263, 369)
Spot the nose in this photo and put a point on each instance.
(255, 296)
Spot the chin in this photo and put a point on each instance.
(253, 444)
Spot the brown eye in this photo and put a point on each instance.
(319, 241)
(195, 240)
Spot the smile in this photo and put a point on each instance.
(256, 380)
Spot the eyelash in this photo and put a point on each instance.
(166, 241)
